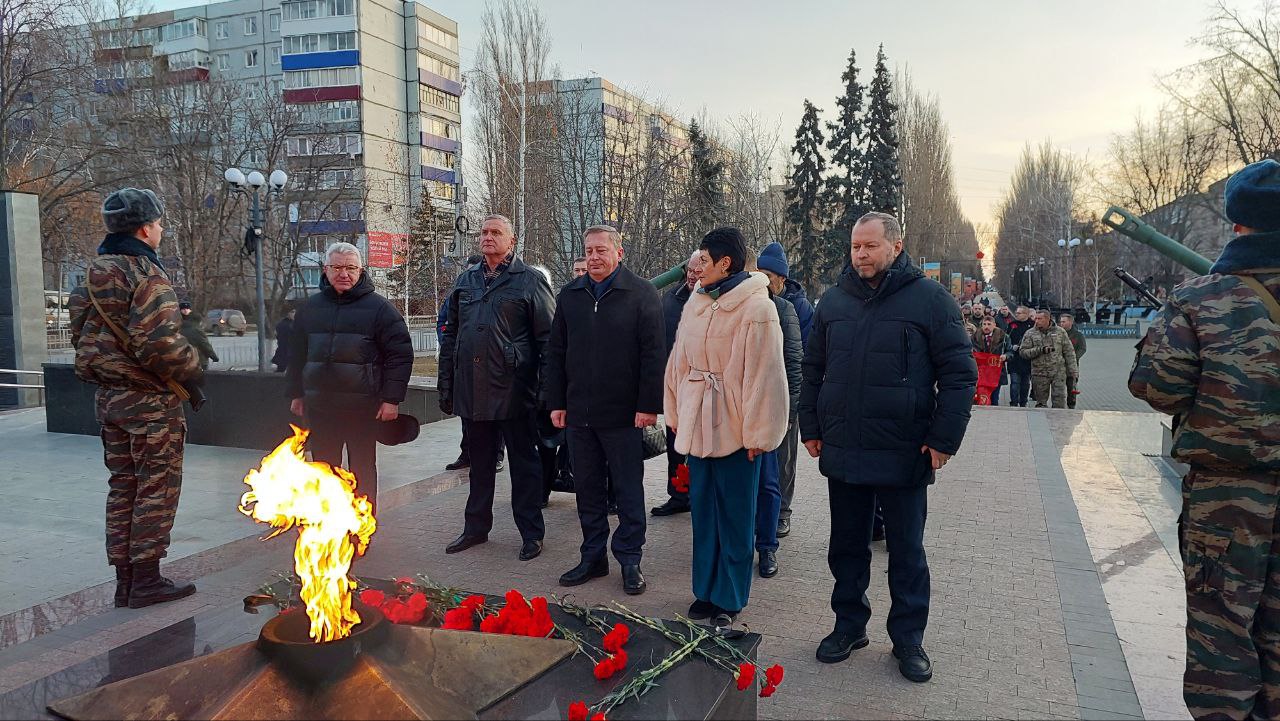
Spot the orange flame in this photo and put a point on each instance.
(288, 491)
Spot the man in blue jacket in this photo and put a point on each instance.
(891, 368)
(773, 263)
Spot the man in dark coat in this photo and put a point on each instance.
(672, 307)
(442, 321)
(1019, 367)
(499, 320)
(604, 375)
(349, 365)
(889, 377)
(284, 339)
(773, 263)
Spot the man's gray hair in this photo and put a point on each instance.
(501, 219)
(1044, 311)
(342, 248)
(892, 228)
(609, 230)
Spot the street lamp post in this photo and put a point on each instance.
(1068, 246)
(251, 185)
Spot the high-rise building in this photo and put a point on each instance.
(373, 86)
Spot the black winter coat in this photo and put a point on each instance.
(1017, 329)
(792, 348)
(672, 307)
(349, 351)
(606, 358)
(494, 339)
(886, 371)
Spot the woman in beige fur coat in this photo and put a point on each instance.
(726, 401)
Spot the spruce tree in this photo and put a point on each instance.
(803, 196)
(707, 182)
(883, 173)
(845, 190)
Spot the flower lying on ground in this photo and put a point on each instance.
(746, 675)
(412, 609)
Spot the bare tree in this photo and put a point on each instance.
(751, 202)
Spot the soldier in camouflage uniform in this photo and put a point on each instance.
(1068, 323)
(142, 420)
(1052, 358)
(1213, 357)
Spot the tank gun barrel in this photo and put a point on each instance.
(1131, 225)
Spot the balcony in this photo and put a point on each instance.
(322, 95)
(441, 174)
(443, 144)
(439, 82)
(326, 59)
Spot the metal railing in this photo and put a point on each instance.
(25, 386)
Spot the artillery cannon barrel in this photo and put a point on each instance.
(1131, 225)
(669, 277)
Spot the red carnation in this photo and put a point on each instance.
(418, 601)
(598, 716)
(491, 624)
(578, 711)
(459, 619)
(395, 610)
(616, 638)
(541, 625)
(768, 690)
(371, 597)
(746, 675)
(681, 480)
(472, 603)
(773, 675)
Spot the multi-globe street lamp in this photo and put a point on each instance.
(252, 185)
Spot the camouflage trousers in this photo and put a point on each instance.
(1044, 386)
(142, 441)
(1230, 543)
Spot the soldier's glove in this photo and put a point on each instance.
(196, 391)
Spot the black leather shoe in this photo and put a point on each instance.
(463, 542)
(632, 580)
(462, 462)
(613, 509)
(584, 572)
(768, 564)
(699, 610)
(124, 579)
(670, 508)
(913, 663)
(497, 467)
(530, 550)
(784, 527)
(837, 646)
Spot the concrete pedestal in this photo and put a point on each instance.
(23, 338)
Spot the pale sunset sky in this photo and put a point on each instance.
(1007, 72)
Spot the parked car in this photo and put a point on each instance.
(222, 321)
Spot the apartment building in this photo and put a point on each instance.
(375, 85)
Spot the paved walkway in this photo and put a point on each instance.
(1056, 593)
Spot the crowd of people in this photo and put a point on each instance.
(1035, 356)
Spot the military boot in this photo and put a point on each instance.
(149, 587)
(124, 576)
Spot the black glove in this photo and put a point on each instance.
(446, 405)
(195, 390)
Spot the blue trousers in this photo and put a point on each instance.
(722, 500)
(768, 503)
(1019, 388)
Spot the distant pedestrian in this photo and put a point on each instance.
(1019, 367)
(1212, 357)
(124, 327)
(500, 313)
(773, 263)
(673, 302)
(603, 384)
(284, 340)
(990, 339)
(889, 379)
(350, 359)
(1052, 359)
(1079, 345)
(579, 267)
(1003, 317)
(195, 335)
(726, 399)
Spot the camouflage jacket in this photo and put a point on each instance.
(135, 292)
(1060, 359)
(1212, 356)
(1078, 342)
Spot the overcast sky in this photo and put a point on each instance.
(1007, 72)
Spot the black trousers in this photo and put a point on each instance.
(787, 465)
(462, 446)
(674, 459)
(484, 439)
(601, 455)
(330, 432)
(849, 555)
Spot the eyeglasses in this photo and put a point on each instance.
(348, 269)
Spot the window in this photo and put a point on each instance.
(222, 30)
(307, 9)
(438, 158)
(189, 59)
(438, 98)
(432, 64)
(193, 27)
(441, 127)
(256, 158)
(438, 189)
(339, 111)
(321, 78)
(275, 54)
(333, 179)
(436, 35)
(324, 145)
(251, 25)
(224, 61)
(273, 21)
(251, 58)
(319, 42)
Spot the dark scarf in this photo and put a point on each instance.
(124, 244)
(491, 274)
(1249, 252)
(720, 287)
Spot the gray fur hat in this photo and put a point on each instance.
(128, 209)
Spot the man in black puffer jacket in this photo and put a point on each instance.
(889, 377)
(349, 367)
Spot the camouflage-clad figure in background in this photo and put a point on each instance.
(143, 426)
(1068, 323)
(1213, 357)
(1052, 358)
